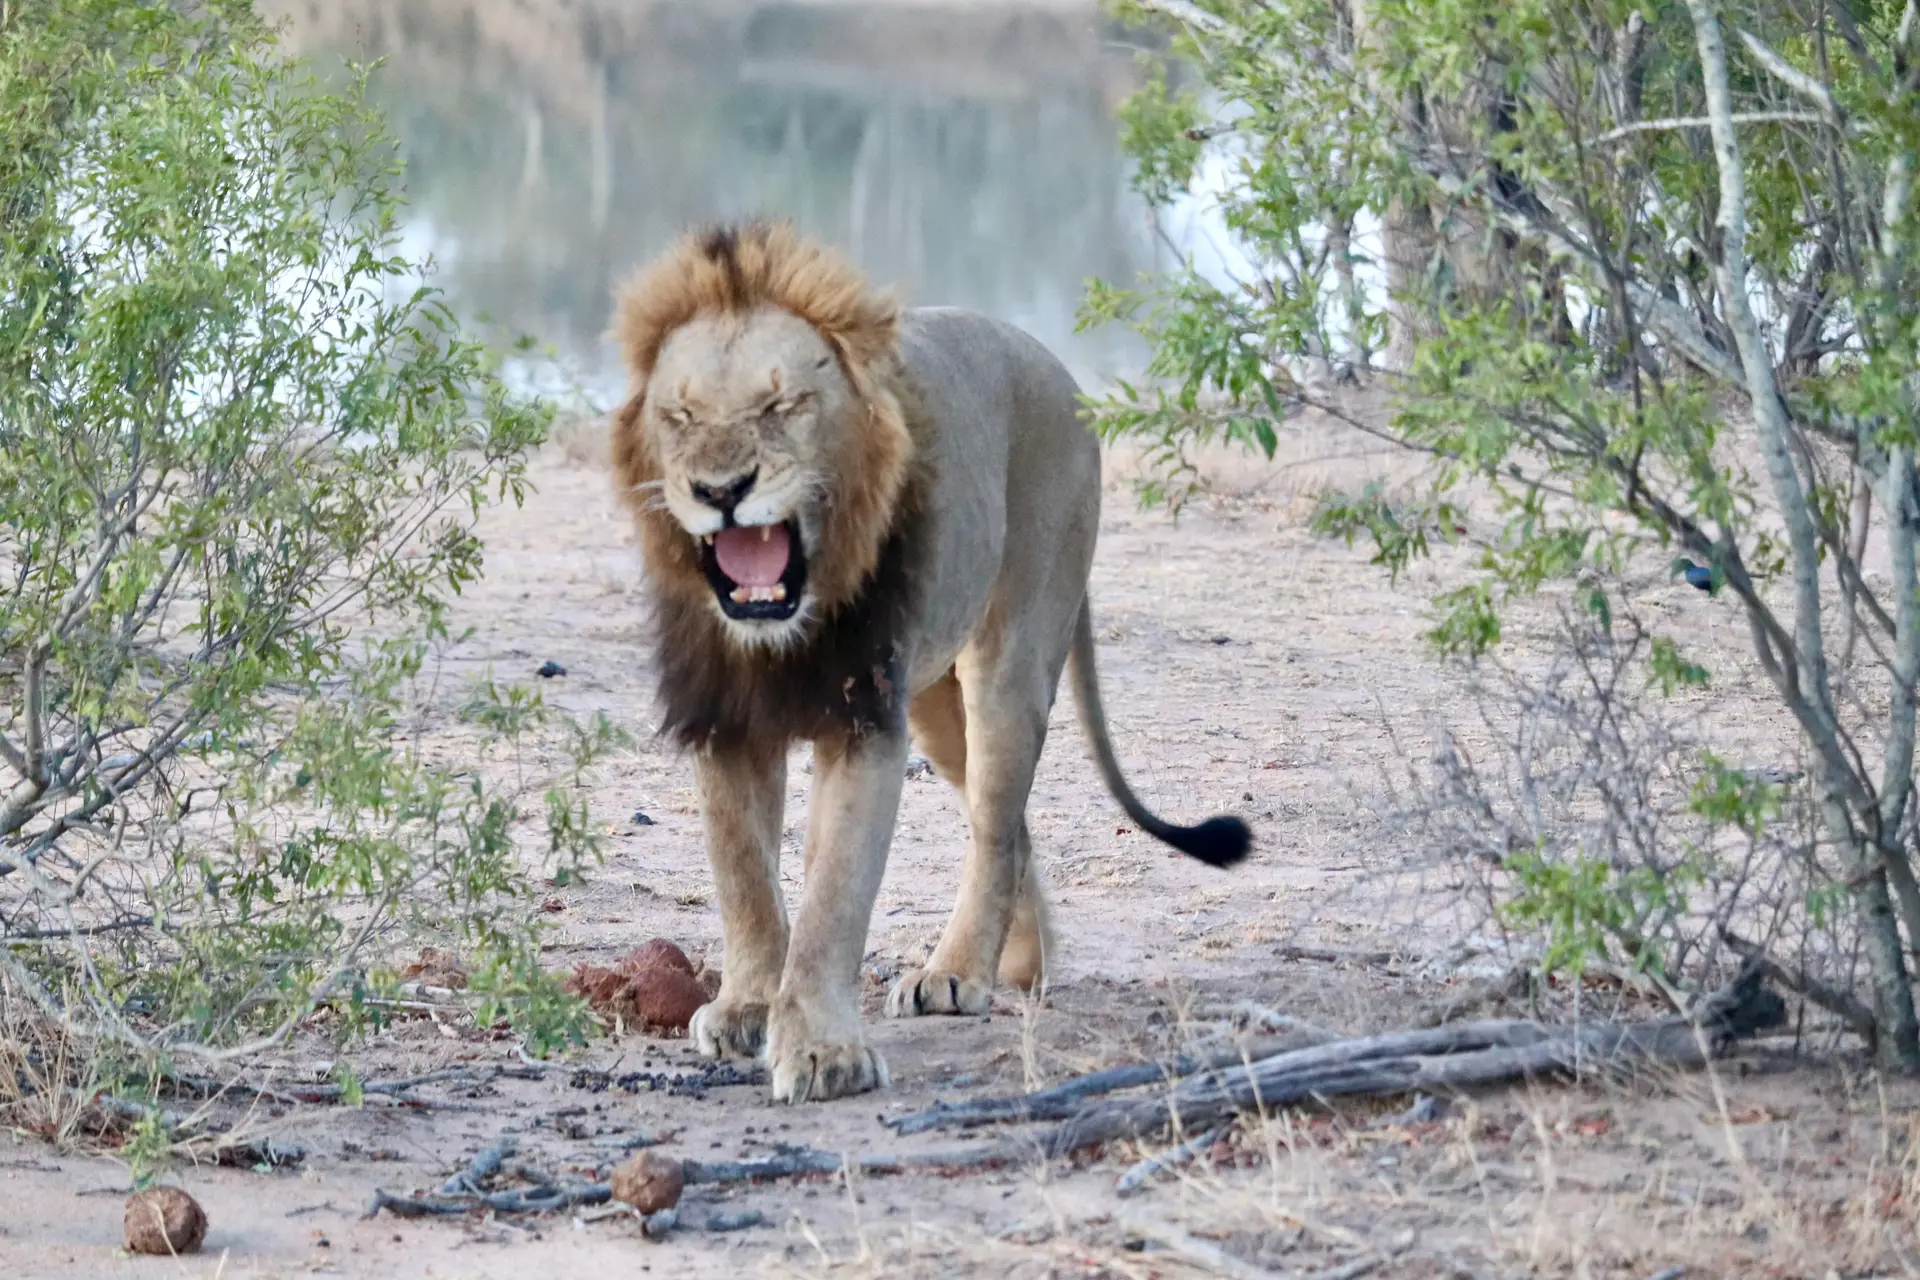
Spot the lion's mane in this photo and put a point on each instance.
(846, 672)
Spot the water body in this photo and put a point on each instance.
(965, 153)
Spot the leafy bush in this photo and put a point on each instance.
(1644, 275)
(241, 447)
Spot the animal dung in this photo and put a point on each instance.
(657, 953)
(666, 997)
(650, 1182)
(654, 986)
(164, 1221)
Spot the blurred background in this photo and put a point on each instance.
(963, 151)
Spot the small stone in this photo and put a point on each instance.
(640, 818)
(649, 1182)
(164, 1221)
(918, 767)
(549, 669)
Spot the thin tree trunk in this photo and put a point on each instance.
(1899, 1041)
(1353, 301)
(1407, 240)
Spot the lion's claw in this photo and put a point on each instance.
(930, 991)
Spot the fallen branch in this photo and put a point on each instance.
(547, 1199)
(466, 1192)
(1065, 1099)
(207, 1086)
(802, 1162)
(1432, 1061)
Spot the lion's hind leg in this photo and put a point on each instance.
(1004, 724)
(937, 718)
(1023, 960)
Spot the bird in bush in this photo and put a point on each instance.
(1697, 576)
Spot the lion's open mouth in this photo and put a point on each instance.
(758, 572)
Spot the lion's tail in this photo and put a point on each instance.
(1218, 842)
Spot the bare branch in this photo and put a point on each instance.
(1793, 77)
(1704, 122)
(1190, 14)
(15, 758)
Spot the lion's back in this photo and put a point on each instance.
(999, 385)
(1015, 504)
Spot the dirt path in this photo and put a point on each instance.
(1246, 665)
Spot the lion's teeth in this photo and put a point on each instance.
(766, 532)
(777, 591)
(740, 595)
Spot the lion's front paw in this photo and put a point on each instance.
(729, 1028)
(812, 1066)
(816, 1072)
(925, 991)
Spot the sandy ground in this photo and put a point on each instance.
(1249, 667)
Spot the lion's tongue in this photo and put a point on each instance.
(753, 557)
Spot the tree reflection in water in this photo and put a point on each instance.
(965, 151)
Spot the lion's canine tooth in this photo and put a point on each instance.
(766, 532)
(778, 591)
(738, 595)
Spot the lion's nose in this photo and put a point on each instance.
(725, 496)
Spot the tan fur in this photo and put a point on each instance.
(947, 497)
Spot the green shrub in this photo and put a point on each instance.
(1639, 275)
(242, 445)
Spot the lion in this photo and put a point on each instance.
(863, 527)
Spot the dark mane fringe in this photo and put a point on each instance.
(848, 676)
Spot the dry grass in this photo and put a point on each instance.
(46, 1076)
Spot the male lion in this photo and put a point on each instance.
(857, 523)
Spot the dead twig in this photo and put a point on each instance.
(1510, 985)
(1185, 1153)
(1216, 1260)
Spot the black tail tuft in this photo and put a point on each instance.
(1218, 842)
